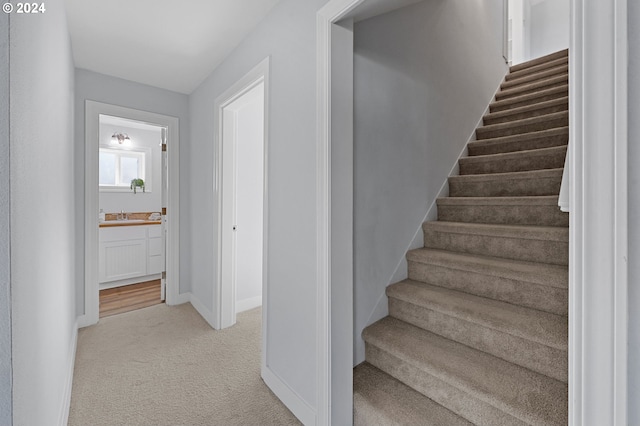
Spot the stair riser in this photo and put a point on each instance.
(532, 355)
(514, 291)
(520, 91)
(449, 396)
(559, 92)
(527, 114)
(552, 159)
(544, 251)
(514, 75)
(488, 133)
(519, 145)
(505, 187)
(504, 214)
(535, 76)
(538, 62)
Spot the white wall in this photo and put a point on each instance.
(5, 258)
(288, 35)
(249, 115)
(424, 75)
(101, 88)
(549, 27)
(634, 212)
(151, 199)
(42, 185)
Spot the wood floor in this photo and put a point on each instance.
(129, 298)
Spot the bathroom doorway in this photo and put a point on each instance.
(131, 208)
(131, 234)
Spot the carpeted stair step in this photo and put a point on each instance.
(482, 388)
(536, 86)
(514, 75)
(514, 184)
(520, 161)
(533, 285)
(561, 54)
(534, 211)
(527, 337)
(543, 244)
(562, 69)
(381, 400)
(524, 142)
(526, 125)
(530, 98)
(527, 111)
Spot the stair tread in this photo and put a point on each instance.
(538, 273)
(541, 60)
(529, 174)
(513, 75)
(527, 108)
(562, 68)
(524, 121)
(556, 131)
(532, 86)
(527, 232)
(529, 396)
(529, 96)
(533, 200)
(559, 150)
(530, 324)
(395, 403)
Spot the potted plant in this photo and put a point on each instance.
(137, 183)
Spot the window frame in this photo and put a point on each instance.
(144, 173)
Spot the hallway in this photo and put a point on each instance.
(165, 366)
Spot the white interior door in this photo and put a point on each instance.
(242, 203)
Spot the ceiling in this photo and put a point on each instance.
(171, 44)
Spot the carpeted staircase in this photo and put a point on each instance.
(478, 332)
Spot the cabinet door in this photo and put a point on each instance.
(120, 260)
(156, 258)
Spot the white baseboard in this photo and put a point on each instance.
(68, 386)
(202, 310)
(246, 304)
(290, 398)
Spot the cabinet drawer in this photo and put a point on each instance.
(155, 246)
(154, 231)
(156, 264)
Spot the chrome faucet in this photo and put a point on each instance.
(122, 215)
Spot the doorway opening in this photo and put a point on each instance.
(132, 187)
(241, 183)
(131, 209)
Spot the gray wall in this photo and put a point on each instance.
(424, 75)
(101, 88)
(5, 260)
(42, 186)
(634, 212)
(288, 35)
(550, 24)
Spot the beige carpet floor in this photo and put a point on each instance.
(165, 366)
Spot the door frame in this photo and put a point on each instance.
(598, 188)
(223, 302)
(93, 110)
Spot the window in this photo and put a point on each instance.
(119, 166)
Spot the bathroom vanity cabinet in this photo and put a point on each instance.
(130, 252)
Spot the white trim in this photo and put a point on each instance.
(333, 11)
(68, 384)
(289, 397)
(92, 112)
(223, 296)
(247, 304)
(202, 310)
(598, 279)
(182, 298)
